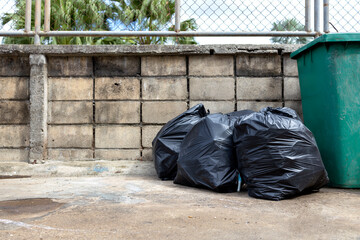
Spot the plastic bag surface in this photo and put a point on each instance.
(277, 155)
(207, 157)
(166, 144)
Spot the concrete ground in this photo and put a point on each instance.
(136, 205)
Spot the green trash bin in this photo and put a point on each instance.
(329, 73)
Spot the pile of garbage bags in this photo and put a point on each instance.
(271, 152)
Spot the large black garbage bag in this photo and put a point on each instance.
(277, 155)
(234, 116)
(166, 144)
(207, 157)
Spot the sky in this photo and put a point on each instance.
(243, 15)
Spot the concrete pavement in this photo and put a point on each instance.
(136, 205)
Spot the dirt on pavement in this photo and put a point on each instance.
(143, 207)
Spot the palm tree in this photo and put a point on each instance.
(289, 25)
(102, 15)
(150, 15)
(73, 15)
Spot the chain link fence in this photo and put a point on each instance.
(344, 16)
(196, 16)
(240, 15)
(8, 7)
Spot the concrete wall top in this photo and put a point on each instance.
(145, 49)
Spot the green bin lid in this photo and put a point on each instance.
(327, 38)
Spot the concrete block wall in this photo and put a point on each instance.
(109, 106)
(14, 108)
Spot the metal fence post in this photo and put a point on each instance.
(177, 15)
(47, 16)
(308, 15)
(37, 21)
(326, 16)
(28, 16)
(317, 16)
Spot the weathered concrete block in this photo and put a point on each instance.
(163, 66)
(290, 66)
(164, 88)
(70, 112)
(292, 88)
(14, 136)
(12, 112)
(212, 88)
(117, 137)
(14, 155)
(259, 88)
(38, 110)
(161, 112)
(70, 88)
(14, 66)
(211, 65)
(117, 88)
(117, 154)
(147, 154)
(258, 65)
(256, 106)
(70, 154)
(117, 66)
(70, 66)
(216, 106)
(148, 135)
(14, 88)
(117, 112)
(296, 105)
(68, 136)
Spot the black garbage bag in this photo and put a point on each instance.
(207, 155)
(166, 144)
(277, 155)
(234, 116)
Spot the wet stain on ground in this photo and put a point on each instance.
(12, 177)
(29, 206)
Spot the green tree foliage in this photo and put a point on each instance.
(67, 15)
(289, 25)
(150, 15)
(102, 15)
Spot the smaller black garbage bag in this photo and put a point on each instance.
(207, 157)
(277, 155)
(166, 144)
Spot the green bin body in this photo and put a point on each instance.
(329, 74)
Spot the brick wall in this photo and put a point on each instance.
(110, 106)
